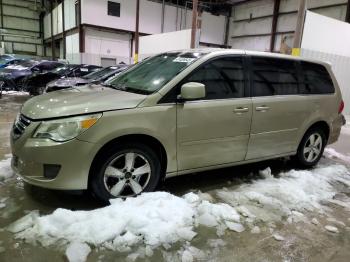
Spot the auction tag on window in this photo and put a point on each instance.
(183, 60)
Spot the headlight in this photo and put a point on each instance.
(65, 129)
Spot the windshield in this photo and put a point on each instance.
(27, 63)
(100, 73)
(153, 73)
(61, 70)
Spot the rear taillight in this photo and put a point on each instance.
(341, 107)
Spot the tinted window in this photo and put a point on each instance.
(316, 79)
(223, 78)
(113, 8)
(274, 77)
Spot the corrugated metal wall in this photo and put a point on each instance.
(20, 23)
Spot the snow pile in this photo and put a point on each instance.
(332, 153)
(274, 198)
(5, 168)
(77, 252)
(15, 93)
(159, 219)
(152, 219)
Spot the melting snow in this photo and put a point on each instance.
(159, 219)
(331, 229)
(153, 219)
(77, 252)
(332, 153)
(275, 198)
(5, 168)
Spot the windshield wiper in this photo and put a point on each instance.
(128, 89)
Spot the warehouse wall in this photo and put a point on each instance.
(213, 27)
(21, 26)
(252, 19)
(101, 45)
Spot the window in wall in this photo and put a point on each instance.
(316, 79)
(113, 8)
(274, 77)
(223, 78)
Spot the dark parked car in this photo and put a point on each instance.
(13, 75)
(95, 77)
(35, 84)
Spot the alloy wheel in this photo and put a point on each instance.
(127, 175)
(313, 147)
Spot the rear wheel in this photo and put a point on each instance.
(311, 147)
(125, 171)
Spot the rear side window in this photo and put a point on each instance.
(316, 79)
(274, 76)
(222, 77)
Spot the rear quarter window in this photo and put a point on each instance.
(315, 79)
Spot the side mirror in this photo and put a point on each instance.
(192, 90)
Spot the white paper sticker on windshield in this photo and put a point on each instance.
(84, 69)
(183, 60)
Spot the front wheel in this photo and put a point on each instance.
(125, 171)
(311, 147)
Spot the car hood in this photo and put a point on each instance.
(79, 100)
(68, 81)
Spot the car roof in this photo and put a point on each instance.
(223, 51)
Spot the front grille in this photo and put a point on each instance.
(20, 126)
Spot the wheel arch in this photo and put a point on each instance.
(148, 140)
(323, 125)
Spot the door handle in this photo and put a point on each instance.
(240, 110)
(262, 108)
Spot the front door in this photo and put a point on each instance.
(215, 130)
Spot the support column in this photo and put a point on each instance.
(194, 23)
(53, 55)
(227, 26)
(136, 57)
(299, 29)
(347, 17)
(63, 32)
(276, 9)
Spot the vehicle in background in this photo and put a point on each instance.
(36, 83)
(95, 77)
(13, 76)
(6, 60)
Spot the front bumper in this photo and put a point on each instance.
(31, 155)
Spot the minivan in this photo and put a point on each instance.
(176, 113)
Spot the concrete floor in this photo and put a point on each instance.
(305, 242)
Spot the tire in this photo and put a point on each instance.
(116, 175)
(311, 148)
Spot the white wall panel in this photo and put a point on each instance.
(178, 40)
(99, 44)
(326, 35)
(150, 17)
(72, 48)
(213, 29)
(95, 12)
(69, 14)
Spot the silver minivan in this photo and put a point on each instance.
(176, 113)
